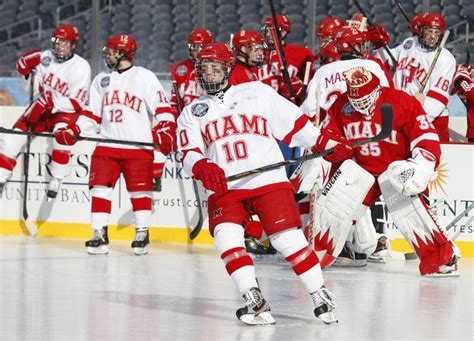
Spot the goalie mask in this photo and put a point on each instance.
(196, 41)
(214, 66)
(64, 41)
(363, 90)
(118, 48)
(249, 46)
(432, 28)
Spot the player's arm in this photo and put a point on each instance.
(79, 82)
(310, 104)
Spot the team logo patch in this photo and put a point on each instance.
(199, 109)
(104, 82)
(181, 71)
(46, 61)
(347, 109)
(408, 44)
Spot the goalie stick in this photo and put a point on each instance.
(387, 123)
(30, 227)
(197, 228)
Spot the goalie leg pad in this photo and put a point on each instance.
(339, 204)
(416, 223)
(365, 237)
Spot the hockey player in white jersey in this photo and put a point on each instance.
(63, 80)
(122, 103)
(234, 129)
(414, 57)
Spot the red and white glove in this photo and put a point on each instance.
(329, 139)
(463, 73)
(36, 109)
(164, 134)
(211, 175)
(66, 136)
(28, 62)
(377, 35)
(296, 86)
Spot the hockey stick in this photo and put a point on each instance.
(78, 138)
(387, 123)
(30, 227)
(197, 228)
(305, 80)
(435, 59)
(412, 255)
(402, 9)
(385, 47)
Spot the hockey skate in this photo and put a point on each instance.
(381, 253)
(256, 247)
(141, 241)
(256, 311)
(447, 270)
(349, 258)
(324, 304)
(53, 189)
(97, 245)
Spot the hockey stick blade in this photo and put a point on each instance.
(195, 232)
(386, 130)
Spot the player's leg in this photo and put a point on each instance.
(225, 224)
(138, 176)
(282, 225)
(104, 174)
(253, 235)
(413, 218)
(60, 157)
(158, 167)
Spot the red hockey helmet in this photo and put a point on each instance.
(348, 39)
(282, 20)
(415, 24)
(246, 38)
(67, 33)
(213, 67)
(358, 21)
(432, 28)
(435, 20)
(253, 41)
(124, 43)
(329, 26)
(363, 90)
(200, 36)
(329, 53)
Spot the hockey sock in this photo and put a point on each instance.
(141, 204)
(101, 206)
(59, 161)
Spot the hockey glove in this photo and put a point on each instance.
(211, 175)
(66, 136)
(28, 62)
(463, 73)
(296, 86)
(36, 109)
(378, 36)
(164, 134)
(329, 139)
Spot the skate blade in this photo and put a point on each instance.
(101, 250)
(140, 251)
(261, 319)
(349, 263)
(372, 259)
(329, 317)
(454, 273)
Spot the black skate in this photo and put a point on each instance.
(256, 247)
(324, 304)
(381, 252)
(53, 189)
(141, 241)
(349, 258)
(97, 245)
(256, 311)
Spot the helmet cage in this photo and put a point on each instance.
(212, 87)
(366, 105)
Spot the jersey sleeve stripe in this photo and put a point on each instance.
(424, 137)
(91, 116)
(437, 96)
(299, 124)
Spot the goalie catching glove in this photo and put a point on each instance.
(211, 175)
(411, 177)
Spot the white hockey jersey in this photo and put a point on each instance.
(68, 81)
(412, 68)
(122, 105)
(329, 82)
(240, 132)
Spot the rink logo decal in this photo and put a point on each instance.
(46, 61)
(199, 109)
(181, 71)
(331, 182)
(104, 82)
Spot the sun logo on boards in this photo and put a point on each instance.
(439, 182)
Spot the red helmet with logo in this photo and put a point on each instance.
(216, 53)
(124, 43)
(329, 26)
(363, 89)
(282, 20)
(200, 36)
(435, 20)
(434, 24)
(246, 38)
(347, 39)
(67, 33)
(415, 24)
(329, 53)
